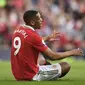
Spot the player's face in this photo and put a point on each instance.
(38, 21)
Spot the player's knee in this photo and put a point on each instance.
(65, 67)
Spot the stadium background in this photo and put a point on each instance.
(64, 16)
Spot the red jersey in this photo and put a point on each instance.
(26, 45)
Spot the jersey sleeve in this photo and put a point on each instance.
(39, 44)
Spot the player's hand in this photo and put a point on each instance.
(77, 52)
(54, 36)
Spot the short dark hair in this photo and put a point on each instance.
(28, 15)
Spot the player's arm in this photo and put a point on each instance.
(52, 37)
(60, 55)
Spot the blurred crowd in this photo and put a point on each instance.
(64, 16)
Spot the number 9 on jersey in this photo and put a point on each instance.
(17, 45)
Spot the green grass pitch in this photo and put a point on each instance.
(76, 76)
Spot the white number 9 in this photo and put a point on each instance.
(17, 45)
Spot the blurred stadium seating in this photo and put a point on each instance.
(64, 16)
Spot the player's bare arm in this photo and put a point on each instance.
(61, 55)
(54, 36)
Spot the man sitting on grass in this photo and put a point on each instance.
(26, 46)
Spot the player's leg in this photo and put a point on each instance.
(52, 72)
(65, 68)
(48, 72)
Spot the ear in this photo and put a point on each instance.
(32, 23)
